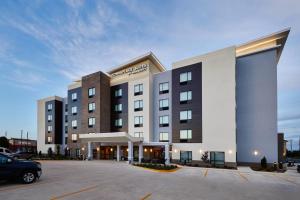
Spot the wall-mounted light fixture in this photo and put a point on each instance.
(82, 148)
(150, 150)
(175, 150)
(230, 151)
(145, 150)
(111, 149)
(255, 152)
(98, 149)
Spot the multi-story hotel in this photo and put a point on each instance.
(223, 103)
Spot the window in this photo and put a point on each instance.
(74, 124)
(119, 123)
(66, 108)
(185, 156)
(118, 92)
(138, 89)
(74, 96)
(49, 118)
(185, 116)
(138, 121)
(66, 118)
(49, 129)
(185, 135)
(92, 107)
(74, 137)
(164, 104)
(74, 110)
(163, 136)
(118, 108)
(138, 134)
(138, 105)
(163, 88)
(185, 77)
(185, 96)
(49, 139)
(92, 121)
(49, 107)
(66, 129)
(164, 121)
(217, 159)
(92, 92)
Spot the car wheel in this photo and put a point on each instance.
(28, 177)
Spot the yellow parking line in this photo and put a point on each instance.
(205, 173)
(73, 193)
(243, 176)
(146, 196)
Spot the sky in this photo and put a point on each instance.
(45, 45)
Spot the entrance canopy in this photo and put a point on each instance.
(112, 137)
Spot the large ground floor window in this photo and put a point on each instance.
(217, 159)
(185, 156)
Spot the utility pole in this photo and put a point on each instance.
(27, 143)
(291, 143)
(21, 140)
(6, 134)
(299, 144)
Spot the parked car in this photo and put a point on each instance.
(23, 170)
(23, 155)
(5, 151)
(298, 168)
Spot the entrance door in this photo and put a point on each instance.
(217, 159)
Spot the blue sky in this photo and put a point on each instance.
(45, 45)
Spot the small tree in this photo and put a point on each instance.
(204, 157)
(4, 142)
(57, 149)
(66, 152)
(263, 163)
(50, 152)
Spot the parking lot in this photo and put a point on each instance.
(111, 180)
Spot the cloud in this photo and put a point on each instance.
(24, 79)
(75, 3)
(289, 117)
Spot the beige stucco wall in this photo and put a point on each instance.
(41, 129)
(218, 104)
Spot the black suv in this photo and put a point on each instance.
(24, 170)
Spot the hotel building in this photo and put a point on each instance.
(223, 103)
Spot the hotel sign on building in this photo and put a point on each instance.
(132, 70)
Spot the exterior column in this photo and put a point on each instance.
(118, 153)
(90, 153)
(167, 154)
(130, 152)
(141, 152)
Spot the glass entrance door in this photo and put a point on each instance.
(217, 159)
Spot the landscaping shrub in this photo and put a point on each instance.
(280, 166)
(50, 152)
(204, 157)
(156, 166)
(263, 163)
